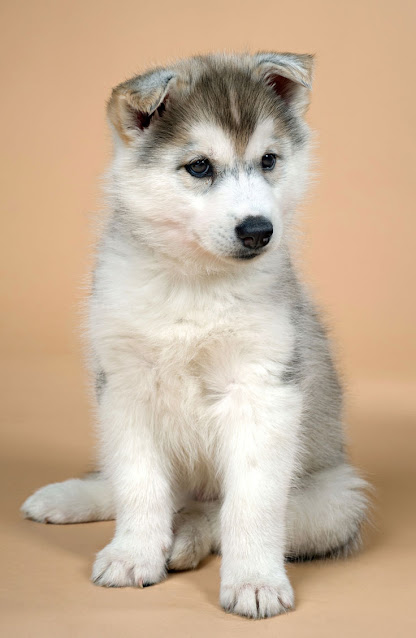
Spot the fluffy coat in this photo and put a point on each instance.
(219, 408)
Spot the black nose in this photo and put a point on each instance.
(255, 232)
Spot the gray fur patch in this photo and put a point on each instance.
(293, 370)
(230, 95)
(100, 383)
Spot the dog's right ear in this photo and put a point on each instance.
(133, 104)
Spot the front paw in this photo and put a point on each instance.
(257, 597)
(122, 564)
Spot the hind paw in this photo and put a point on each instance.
(192, 540)
(48, 505)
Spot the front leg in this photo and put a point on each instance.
(139, 478)
(261, 432)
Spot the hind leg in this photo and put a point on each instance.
(324, 518)
(72, 501)
(196, 529)
(89, 499)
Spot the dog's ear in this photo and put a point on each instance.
(134, 103)
(290, 75)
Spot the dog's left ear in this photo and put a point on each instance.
(134, 103)
(290, 75)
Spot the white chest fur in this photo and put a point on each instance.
(183, 346)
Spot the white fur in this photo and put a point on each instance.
(194, 345)
(210, 140)
(321, 513)
(263, 140)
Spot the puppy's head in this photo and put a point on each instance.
(211, 154)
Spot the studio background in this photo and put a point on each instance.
(59, 61)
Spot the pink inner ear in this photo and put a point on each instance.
(282, 86)
(143, 119)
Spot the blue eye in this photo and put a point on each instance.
(200, 168)
(268, 161)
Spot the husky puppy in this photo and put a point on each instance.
(220, 417)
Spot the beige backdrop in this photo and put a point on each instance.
(59, 61)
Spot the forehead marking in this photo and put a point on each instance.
(261, 140)
(235, 112)
(214, 142)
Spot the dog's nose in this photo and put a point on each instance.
(255, 231)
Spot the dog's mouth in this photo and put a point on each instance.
(246, 256)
